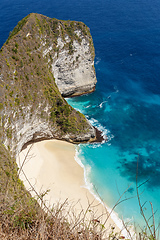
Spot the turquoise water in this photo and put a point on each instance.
(113, 164)
(126, 103)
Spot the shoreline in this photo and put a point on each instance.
(54, 165)
(113, 215)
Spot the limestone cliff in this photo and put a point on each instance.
(74, 72)
(40, 54)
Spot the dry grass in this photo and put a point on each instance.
(29, 221)
(24, 217)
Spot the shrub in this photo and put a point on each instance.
(17, 28)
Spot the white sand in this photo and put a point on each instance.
(50, 165)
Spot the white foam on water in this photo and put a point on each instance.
(87, 169)
(97, 60)
(87, 106)
(101, 104)
(95, 145)
(88, 185)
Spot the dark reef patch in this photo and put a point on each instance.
(148, 170)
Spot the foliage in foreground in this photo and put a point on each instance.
(21, 217)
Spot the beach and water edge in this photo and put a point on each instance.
(53, 169)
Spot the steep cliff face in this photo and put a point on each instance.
(67, 46)
(73, 63)
(41, 54)
(74, 73)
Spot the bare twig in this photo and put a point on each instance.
(140, 205)
(154, 229)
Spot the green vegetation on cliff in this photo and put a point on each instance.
(28, 94)
(27, 82)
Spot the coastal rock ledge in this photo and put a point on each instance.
(42, 61)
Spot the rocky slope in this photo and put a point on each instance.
(40, 54)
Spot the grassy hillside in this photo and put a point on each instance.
(28, 92)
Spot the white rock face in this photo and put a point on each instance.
(74, 73)
(32, 128)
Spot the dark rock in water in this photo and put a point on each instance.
(99, 137)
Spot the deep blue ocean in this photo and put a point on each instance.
(126, 103)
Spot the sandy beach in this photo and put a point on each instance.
(50, 167)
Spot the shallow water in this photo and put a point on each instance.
(126, 103)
